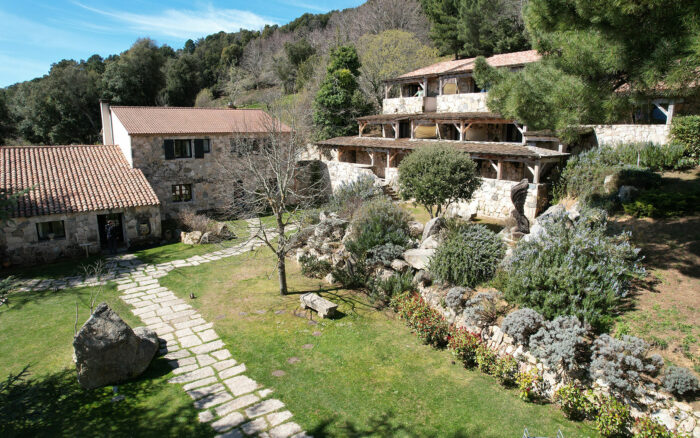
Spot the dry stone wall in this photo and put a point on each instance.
(462, 103)
(492, 199)
(403, 105)
(340, 173)
(616, 134)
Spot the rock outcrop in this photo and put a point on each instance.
(108, 351)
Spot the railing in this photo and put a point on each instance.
(462, 103)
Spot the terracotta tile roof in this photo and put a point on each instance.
(176, 120)
(467, 65)
(485, 117)
(476, 148)
(71, 179)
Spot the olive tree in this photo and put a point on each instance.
(437, 177)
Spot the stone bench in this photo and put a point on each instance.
(314, 301)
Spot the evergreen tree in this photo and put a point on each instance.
(591, 49)
(469, 28)
(7, 126)
(339, 100)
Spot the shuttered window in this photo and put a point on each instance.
(182, 192)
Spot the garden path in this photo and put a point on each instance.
(232, 403)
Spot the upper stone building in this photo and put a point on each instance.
(441, 105)
(177, 148)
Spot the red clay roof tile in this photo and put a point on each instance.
(154, 120)
(71, 179)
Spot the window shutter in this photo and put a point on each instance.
(198, 148)
(169, 147)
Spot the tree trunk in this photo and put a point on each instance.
(281, 255)
(282, 273)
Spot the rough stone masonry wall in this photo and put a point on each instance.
(201, 173)
(616, 134)
(20, 241)
(676, 416)
(492, 199)
(462, 103)
(403, 105)
(340, 173)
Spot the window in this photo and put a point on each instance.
(182, 192)
(51, 230)
(206, 144)
(183, 148)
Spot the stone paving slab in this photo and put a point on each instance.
(233, 404)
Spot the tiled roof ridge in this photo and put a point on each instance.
(187, 108)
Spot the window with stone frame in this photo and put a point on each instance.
(51, 230)
(182, 192)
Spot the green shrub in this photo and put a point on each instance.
(506, 370)
(647, 427)
(429, 324)
(614, 418)
(686, 131)
(397, 284)
(630, 164)
(663, 203)
(377, 223)
(528, 384)
(574, 403)
(350, 196)
(463, 344)
(486, 359)
(468, 256)
(313, 267)
(573, 269)
(438, 176)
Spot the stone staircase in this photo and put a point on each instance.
(391, 192)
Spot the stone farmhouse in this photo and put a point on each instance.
(71, 193)
(177, 148)
(441, 105)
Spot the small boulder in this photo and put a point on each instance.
(422, 277)
(627, 194)
(206, 238)
(399, 266)
(431, 242)
(108, 351)
(415, 228)
(191, 238)
(418, 258)
(433, 227)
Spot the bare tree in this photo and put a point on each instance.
(266, 174)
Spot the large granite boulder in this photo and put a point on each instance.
(191, 238)
(433, 227)
(108, 351)
(418, 258)
(415, 229)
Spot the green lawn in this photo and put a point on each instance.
(37, 330)
(364, 374)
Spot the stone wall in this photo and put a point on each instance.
(492, 200)
(403, 105)
(20, 242)
(462, 103)
(162, 174)
(340, 173)
(615, 134)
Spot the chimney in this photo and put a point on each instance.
(107, 133)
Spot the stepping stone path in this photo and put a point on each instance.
(232, 403)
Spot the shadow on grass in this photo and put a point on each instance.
(385, 426)
(56, 405)
(18, 300)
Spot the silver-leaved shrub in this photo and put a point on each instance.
(521, 324)
(622, 363)
(573, 268)
(561, 343)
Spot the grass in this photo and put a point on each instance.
(365, 374)
(37, 330)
